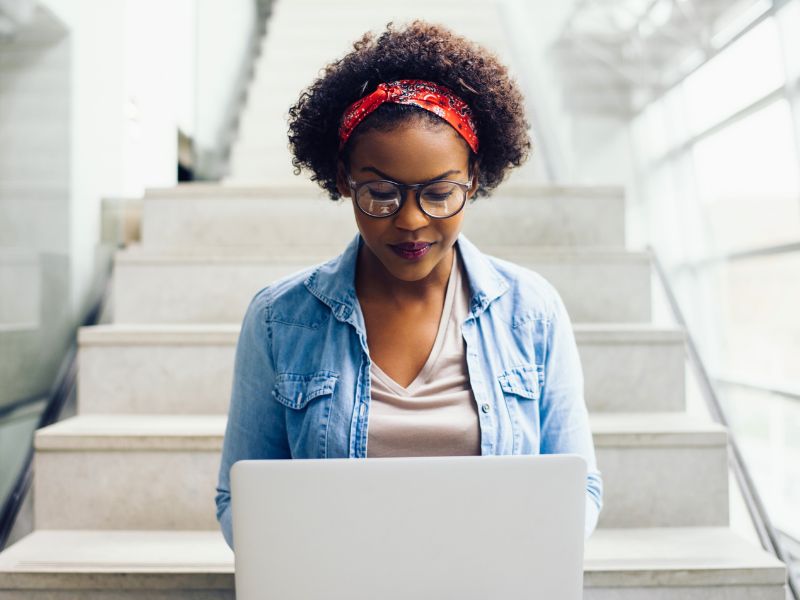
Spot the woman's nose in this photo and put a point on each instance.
(410, 216)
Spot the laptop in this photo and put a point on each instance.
(439, 528)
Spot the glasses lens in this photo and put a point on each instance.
(379, 198)
(442, 199)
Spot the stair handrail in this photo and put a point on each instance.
(62, 389)
(766, 532)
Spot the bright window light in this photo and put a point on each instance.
(747, 181)
(747, 70)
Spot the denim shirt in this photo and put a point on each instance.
(301, 386)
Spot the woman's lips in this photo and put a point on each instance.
(411, 250)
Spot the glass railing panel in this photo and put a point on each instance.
(767, 429)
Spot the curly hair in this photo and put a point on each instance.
(419, 50)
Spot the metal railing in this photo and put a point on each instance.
(767, 533)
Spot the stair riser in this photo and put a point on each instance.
(155, 379)
(271, 167)
(634, 377)
(191, 378)
(543, 221)
(664, 486)
(185, 292)
(232, 222)
(120, 489)
(645, 487)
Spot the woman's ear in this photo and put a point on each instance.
(474, 174)
(341, 179)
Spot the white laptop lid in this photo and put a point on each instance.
(466, 527)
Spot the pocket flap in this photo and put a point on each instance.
(521, 381)
(295, 391)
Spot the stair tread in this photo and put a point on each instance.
(320, 253)
(678, 556)
(650, 556)
(655, 428)
(184, 432)
(207, 191)
(227, 333)
(166, 333)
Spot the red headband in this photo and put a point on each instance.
(425, 94)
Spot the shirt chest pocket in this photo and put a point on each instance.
(308, 398)
(521, 392)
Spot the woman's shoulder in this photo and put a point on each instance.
(286, 298)
(527, 290)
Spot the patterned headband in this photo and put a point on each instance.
(425, 94)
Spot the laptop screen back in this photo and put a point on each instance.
(478, 527)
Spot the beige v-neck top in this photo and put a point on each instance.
(436, 414)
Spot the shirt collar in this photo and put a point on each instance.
(485, 281)
(334, 281)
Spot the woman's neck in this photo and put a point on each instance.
(374, 282)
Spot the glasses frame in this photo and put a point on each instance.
(417, 187)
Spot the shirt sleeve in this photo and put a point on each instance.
(256, 427)
(564, 417)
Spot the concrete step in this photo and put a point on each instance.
(265, 217)
(619, 564)
(188, 369)
(162, 369)
(101, 565)
(159, 471)
(596, 286)
(321, 14)
(267, 167)
(333, 42)
(135, 472)
(314, 30)
(661, 470)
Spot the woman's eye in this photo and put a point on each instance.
(377, 195)
(437, 197)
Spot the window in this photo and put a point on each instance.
(750, 68)
(718, 177)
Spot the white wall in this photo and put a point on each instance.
(158, 89)
(141, 71)
(534, 26)
(224, 33)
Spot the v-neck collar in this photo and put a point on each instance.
(436, 350)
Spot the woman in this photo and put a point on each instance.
(412, 342)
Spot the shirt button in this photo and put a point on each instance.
(485, 408)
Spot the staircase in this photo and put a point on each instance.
(124, 491)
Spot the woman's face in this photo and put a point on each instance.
(410, 153)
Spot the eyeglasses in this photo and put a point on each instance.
(438, 199)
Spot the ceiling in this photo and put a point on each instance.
(613, 56)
